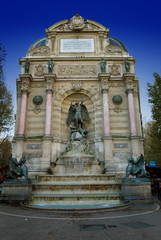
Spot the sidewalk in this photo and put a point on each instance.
(140, 222)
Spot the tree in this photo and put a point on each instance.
(6, 107)
(152, 149)
(154, 93)
(5, 151)
(152, 130)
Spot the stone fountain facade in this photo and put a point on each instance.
(77, 60)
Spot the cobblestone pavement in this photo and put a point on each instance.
(140, 222)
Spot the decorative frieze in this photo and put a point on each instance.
(38, 85)
(115, 85)
(77, 70)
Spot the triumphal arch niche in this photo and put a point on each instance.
(77, 86)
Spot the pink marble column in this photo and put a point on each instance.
(48, 113)
(23, 107)
(106, 117)
(131, 112)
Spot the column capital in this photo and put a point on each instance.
(129, 90)
(104, 78)
(129, 81)
(104, 90)
(50, 79)
(128, 77)
(25, 82)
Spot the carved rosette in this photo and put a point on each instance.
(77, 85)
(39, 70)
(114, 70)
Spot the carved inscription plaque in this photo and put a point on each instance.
(77, 45)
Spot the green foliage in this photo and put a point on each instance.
(6, 108)
(154, 93)
(152, 143)
(152, 130)
(2, 60)
(5, 151)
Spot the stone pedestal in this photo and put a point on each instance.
(137, 190)
(77, 164)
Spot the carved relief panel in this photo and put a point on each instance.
(77, 70)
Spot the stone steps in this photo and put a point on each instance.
(74, 199)
(76, 187)
(78, 178)
(71, 190)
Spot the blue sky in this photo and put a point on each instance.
(135, 23)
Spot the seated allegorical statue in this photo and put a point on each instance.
(17, 170)
(136, 167)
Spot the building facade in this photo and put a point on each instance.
(77, 61)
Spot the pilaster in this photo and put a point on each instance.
(107, 140)
(25, 84)
(129, 78)
(49, 78)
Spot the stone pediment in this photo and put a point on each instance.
(40, 51)
(77, 23)
(113, 49)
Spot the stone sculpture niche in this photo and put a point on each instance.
(76, 158)
(77, 114)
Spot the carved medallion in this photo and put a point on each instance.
(117, 99)
(37, 100)
(114, 70)
(39, 70)
(76, 22)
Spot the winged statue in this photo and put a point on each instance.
(136, 167)
(77, 114)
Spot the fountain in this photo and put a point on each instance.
(77, 180)
(76, 158)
